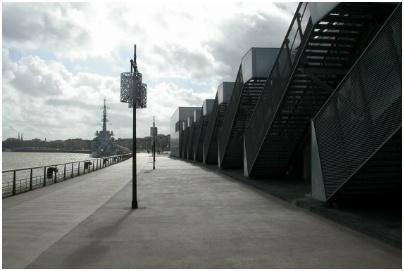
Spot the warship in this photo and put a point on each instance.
(103, 145)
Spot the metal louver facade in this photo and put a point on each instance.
(312, 62)
(357, 134)
(177, 121)
(201, 131)
(329, 109)
(210, 143)
(251, 77)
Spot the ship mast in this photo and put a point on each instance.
(104, 119)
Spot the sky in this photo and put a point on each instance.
(60, 60)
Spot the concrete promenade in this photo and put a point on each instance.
(189, 217)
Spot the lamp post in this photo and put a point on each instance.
(134, 160)
(153, 134)
(134, 93)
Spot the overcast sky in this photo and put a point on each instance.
(59, 60)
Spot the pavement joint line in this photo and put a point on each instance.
(312, 206)
(99, 221)
(18, 240)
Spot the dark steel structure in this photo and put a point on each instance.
(210, 142)
(251, 77)
(202, 125)
(193, 123)
(317, 52)
(325, 107)
(177, 122)
(356, 136)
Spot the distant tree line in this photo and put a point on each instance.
(142, 144)
(146, 143)
(69, 144)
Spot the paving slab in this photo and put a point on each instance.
(379, 220)
(193, 217)
(35, 220)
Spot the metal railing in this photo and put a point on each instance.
(207, 141)
(229, 118)
(16, 181)
(277, 82)
(200, 135)
(191, 140)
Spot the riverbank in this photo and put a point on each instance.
(47, 150)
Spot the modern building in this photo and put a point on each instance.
(210, 142)
(325, 107)
(255, 66)
(204, 118)
(178, 122)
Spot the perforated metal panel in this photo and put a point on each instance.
(364, 113)
(200, 135)
(191, 137)
(312, 62)
(132, 89)
(239, 109)
(275, 88)
(212, 129)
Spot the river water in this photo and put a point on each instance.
(15, 160)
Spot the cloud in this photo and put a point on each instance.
(61, 59)
(34, 76)
(58, 26)
(243, 31)
(45, 100)
(167, 97)
(71, 106)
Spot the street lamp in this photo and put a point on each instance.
(153, 134)
(133, 92)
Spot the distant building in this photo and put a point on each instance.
(177, 125)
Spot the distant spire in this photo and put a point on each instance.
(22, 137)
(18, 136)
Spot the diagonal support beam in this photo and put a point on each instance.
(321, 83)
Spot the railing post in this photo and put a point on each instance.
(64, 173)
(30, 180)
(288, 50)
(44, 176)
(14, 183)
(72, 169)
(56, 175)
(299, 26)
(78, 170)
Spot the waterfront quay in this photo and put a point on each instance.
(189, 216)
